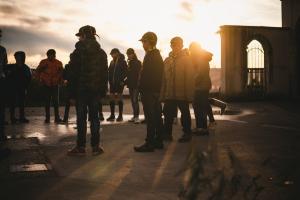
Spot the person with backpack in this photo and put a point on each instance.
(87, 85)
(133, 73)
(149, 86)
(116, 76)
(50, 74)
(18, 80)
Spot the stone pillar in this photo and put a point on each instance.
(231, 61)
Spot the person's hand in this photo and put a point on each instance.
(72, 102)
(65, 82)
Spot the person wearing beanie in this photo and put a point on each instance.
(133, 73)
(116, 75)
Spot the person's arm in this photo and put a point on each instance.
(104, 75)
(157, 75)
(28, 76)
(124, 71)
(60, 73)
(163, 86)
(3, 63)
(73, 72)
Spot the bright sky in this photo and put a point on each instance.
(35, 25)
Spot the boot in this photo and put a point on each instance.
(146, 147)
(120, 117)
(112, 110)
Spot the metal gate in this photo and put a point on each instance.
(256, 68)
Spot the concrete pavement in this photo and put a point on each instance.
(264, 138)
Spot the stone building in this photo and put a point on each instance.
(263, 61)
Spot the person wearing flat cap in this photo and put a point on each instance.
(149, 86)
(87, 85)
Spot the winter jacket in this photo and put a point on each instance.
(3, 61)
(87, 71)
(152, 72)
(66, 72)
(50, 72)
(18, 77)
(202, 68)
(179, 78)
(117, 72)
(133, 73)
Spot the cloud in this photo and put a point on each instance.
(32, 40)
(186, 13)
(188, 7)
(14, 12)
(35, 43)
(8, 9)
(35, 21)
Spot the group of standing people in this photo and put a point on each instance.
(14, 81)
(163, 85)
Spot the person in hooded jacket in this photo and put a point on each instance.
(18, 79)
(117, 77)
(201, 59)
(87, 85)
(133, 73)
(177, 89)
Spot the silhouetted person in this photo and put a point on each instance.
(68, 104)
(87, 85)
(133, 73)
(18, 80)
(116, 76)
(3, 63)
(50, 74)
(201, 59)
(178, 89)
(150, 85)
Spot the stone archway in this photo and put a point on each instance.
(257, 70)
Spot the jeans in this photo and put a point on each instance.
(153, 112)
(51, 94)
(67, 110)
(134, 96)
(200, 105)
(170, 112)
(87, 105)
(17, 98)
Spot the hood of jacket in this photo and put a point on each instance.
(183, 52)
(89, 45)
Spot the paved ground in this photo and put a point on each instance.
(263, 139)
